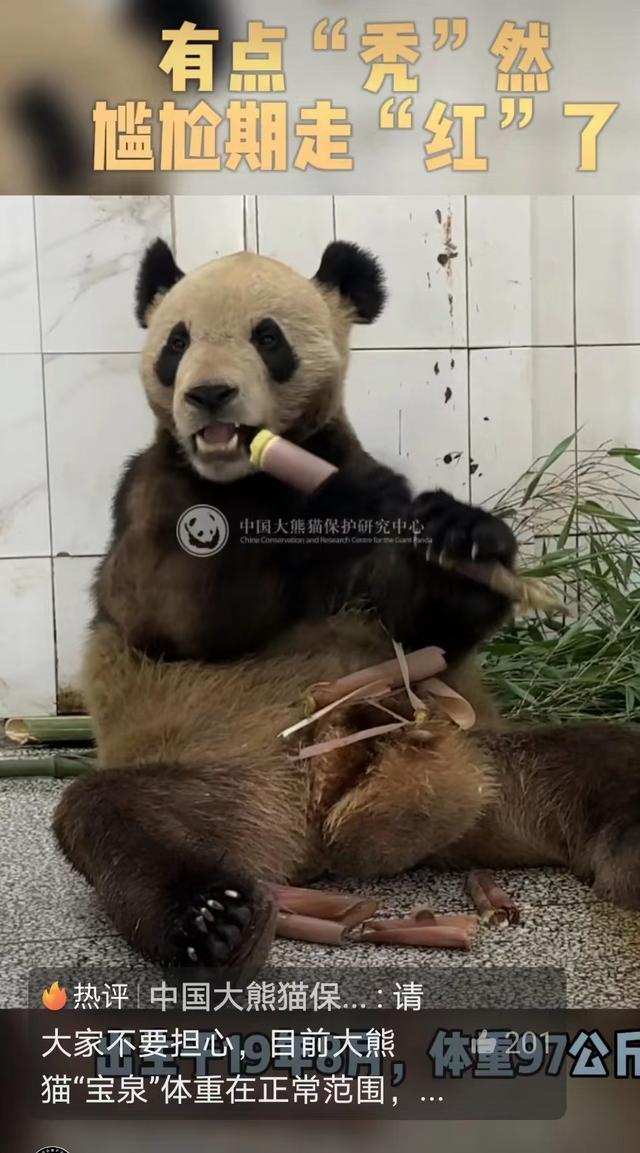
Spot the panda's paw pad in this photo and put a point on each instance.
(212, 928)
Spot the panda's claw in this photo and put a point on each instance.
(219, 927)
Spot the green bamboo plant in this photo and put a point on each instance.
(577, 517)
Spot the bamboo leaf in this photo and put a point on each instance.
(564, 535)
(553, 456)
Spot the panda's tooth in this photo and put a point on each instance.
(230, 447)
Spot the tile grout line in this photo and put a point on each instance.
(55, 556)
(46, 449)
(369, 348)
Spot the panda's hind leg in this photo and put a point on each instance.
(571, 793)
(166, 866)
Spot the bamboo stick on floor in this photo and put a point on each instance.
(50, 730)
(55, 765)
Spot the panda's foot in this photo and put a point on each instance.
(226, 926)
(615, 866)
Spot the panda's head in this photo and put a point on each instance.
(245, 343)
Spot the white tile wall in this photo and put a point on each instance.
(27, 657)
(88, 252)
(97, 416)
(207, 227)
(24, 505)
(608, 269)
(19, 316)
(609, 395)
(520, 270)
(295, 229)
(72, 580)
(522, 405)
(511, 322)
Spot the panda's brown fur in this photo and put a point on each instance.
(195, 665)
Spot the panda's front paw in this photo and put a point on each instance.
(462, 532)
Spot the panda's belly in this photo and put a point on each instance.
(332, 646)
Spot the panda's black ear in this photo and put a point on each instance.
(158, 273)
(152, 17)
(358, 277)
(160, 14)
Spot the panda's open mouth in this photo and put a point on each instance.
(222, 439)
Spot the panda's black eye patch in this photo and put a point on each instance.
(175, 347)
(270, 341)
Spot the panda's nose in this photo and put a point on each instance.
(211, 397)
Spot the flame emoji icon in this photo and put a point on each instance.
(54, 998)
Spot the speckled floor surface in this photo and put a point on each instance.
(49, 918)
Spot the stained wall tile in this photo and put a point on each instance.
(522, 406)
(420, 241)
(409, 408)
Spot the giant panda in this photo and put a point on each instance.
(57, 58)
(195, 665)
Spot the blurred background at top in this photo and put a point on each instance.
(57, 58)
(378, 108)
